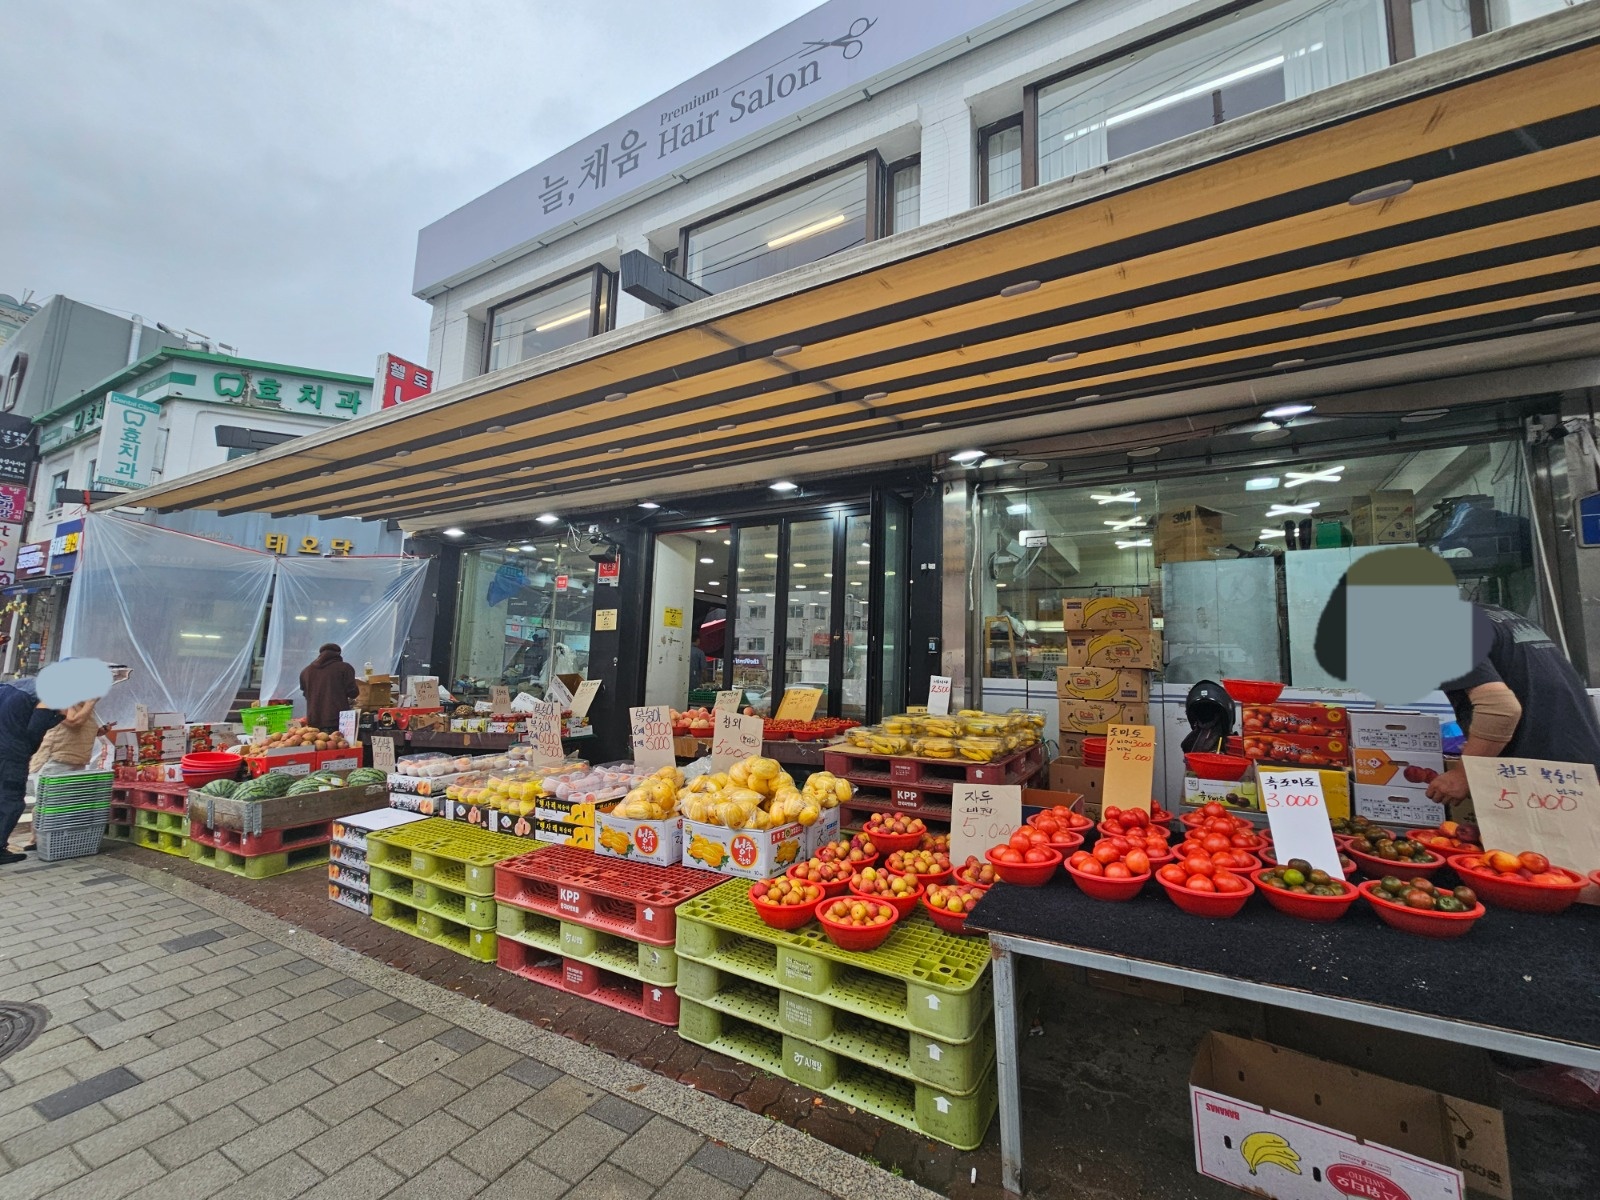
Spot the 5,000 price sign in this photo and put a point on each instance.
(982, 815)
(651, 731)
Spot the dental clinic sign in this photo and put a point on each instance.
(127, 449)
(836, 50)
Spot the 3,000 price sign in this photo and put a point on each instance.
(1298, 814)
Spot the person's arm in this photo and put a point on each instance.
(305, 681)
(1496, 713)
(351, 691)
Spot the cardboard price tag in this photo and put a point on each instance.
(1297, 811)
(427, 693)
(982, 815)
(261, 735)
(727, 701)
(939, 696)
(141, 718)
(383, 752)
(348, 720)
(499, 698)
(736, 737)
(1551, 808)
(583, 698)
(544, 730)
(559, 693)
(799, 704)
(650, 731)
(1130, 766)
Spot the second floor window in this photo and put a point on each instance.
(549, 318)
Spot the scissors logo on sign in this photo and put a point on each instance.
(850, 44)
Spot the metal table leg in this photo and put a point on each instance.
(1008, 1077)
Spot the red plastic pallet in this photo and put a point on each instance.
(271, 841)
(153, 797)
(931, 774)
(120, 814)
(633, 900)
(910, 801)
(652, 1001)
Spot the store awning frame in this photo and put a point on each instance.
(1451, 200)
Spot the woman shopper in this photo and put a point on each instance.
(329, 685)
(63, 694)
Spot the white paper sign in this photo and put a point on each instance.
(981, 816)
(141, 718)
(584, 697)
(736, 737)
(347, 725)
(939, 696)
(727, 702)
(499, 699)
(523, 702)
(1298, 814)
(559, 692)
(383, 752)
(650, 731)
(261, 735)
(544, 730)
(1550, 808)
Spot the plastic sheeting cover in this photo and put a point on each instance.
(365, 605)
(183, 612)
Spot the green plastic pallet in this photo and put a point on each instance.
(459, 858)
(119, 833)
(474, 943)
(475, 912)
(529, 928)
(920, 978)
(636, 960)
(160, 840)
(957, 1067)
(258, 866)
(166, 822)
(957, 1120)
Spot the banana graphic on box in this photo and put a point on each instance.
(1096, 684)
(1114, 608)
(1269, 1149)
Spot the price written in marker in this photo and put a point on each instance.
(939, 695)
(426, 693)
(1297, 811)
(735, 737)
(1130, 765)
(982, 815)
(347, 725)
(799, 704)
(499, 699)
(726, 702)
(651, 735)
(1551, 808)
(383, 753)
(544, 730)
(583, 698)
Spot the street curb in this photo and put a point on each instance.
(770, 1141)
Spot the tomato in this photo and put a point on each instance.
(1078, 859)
(1537, 863)
(1136, 816)
(1138, 862)
(1117, 870)
(1550, 879)
(1105, 852)
(1110, 812)
(1020, 840)
(1213, 809)
(1195, 865)
(1038, 855)
(1227, 881)
(1045, 823)
(1199, 883)
(1008, 855)
(1173, 873)
(1065, 838)
(1213, 842)
(1092, 866)
(1122, 844)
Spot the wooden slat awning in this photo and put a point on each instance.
(1207, 260)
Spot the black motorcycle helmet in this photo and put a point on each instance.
(1211, 714)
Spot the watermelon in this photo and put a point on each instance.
(220, 787)
(365, 775)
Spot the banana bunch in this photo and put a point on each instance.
(887, 743)
(934, 747)
(901, 726)
(942, 727)
(827, 790)
(982, 749)
(1269, 1149)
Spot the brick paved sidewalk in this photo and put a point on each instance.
(197, 1048)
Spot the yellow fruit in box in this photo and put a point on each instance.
(719, 780)
(809, 815)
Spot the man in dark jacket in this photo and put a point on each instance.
(329, 684)
(23, 723)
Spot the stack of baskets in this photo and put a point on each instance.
(70, 812)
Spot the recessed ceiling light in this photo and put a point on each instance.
(708, 560)
(495, 429)
(1276, 434)
(1104, 498)
(1261, 483)
(1017, 510)
(454, 532)
(1144, 452)
(547, 518)
(965, 456)
(1384, 191)
(648, 504)
(1284, 411)
(784, 351)
(527, 549)
(863, 562)
(803, 446)
(699, 591)
(616, 480)
(1285, 364)
(1020, 289)
(615, 450)
(744, 589)
(998, 584)
(402, 453)
(725, 428)
(932, 424)
(1064, 356)
(716, 583)
(727, 541)
(1555, 316)
(799, 587)
(827, 574)
(699, 466)
(1033, 466)
(617, 396)
(1424, 414)
(871, 396)
(1321, 302)
(783, 485)
(547, 560)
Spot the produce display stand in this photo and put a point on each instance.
(901, 1031)
(261, 838)
(597, 927)
(347, 854)
(792, 753)
(1519, 983)
(921, 787)
(156, 813)
(487, 743)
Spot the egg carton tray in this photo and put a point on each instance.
(455, 856)
(477, 944)
(636, 901)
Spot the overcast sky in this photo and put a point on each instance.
(257, 170)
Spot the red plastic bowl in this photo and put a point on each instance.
(1418, 835)
(1210, 904)
(1094, 745)
(828, 889)
(956, 876)
(1419, 921)
(1253, 691)
(1115, 828)
(1221, 767)
(945, 921)
(1518, 894)
(1025, 874)
(199, 779)
(1594, 878)
(1065, 843)
(855, 937)
(935, 877)
(1254, 864)
(1098, 887)
(784, 916)
(211, 760)
(901, 904)
(1268, 859)
(888, 843)
(1307, 908)
(1376, 868)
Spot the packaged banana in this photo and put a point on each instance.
(974, 748)
(968, 713)
(942, 727)
(861, 736)
(1031, 717)
(934, 747)
(904, 724)
(886, 743)
(987, 725)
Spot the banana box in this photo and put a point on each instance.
(1119, 649)
(1106, 612)
(1092, 716)
(1102, 683)
(658, 842)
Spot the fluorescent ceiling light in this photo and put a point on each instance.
(1122, 545)
(547, 518)
(1284, 510)
(708, 560)
(727, 541)
(454, 532)
(300, 617)
(965, 456)
(1199, 89)
(1285, 411)
(1269, 533)
(1129, 523)
(999, 584)
(863, 562)
(560, 321)
(1261, 483)
(648, 504)
(769, 556)
(322, 620)
(1114, 497)
(550, 560)
(1296, 478)
(1016, 510)
(799, 566)
(811, 230)
(783, 485)
(527, 549)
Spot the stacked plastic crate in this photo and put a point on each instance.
(347, 854)
(70, 813)
(903, 1031)
(598, 927)
(157, 810)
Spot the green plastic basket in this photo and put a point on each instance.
(275, 717)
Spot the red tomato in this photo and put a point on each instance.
(1136, 816)
(1008, 855)
(1213, 809)
(1199, 883)
(1173, 873)
(1079, 858)
(1117, 870)
(1064, 838)
(1537, 863)
(1111, 812)
(1105, 852)
(1020, 840)
(1038, 855)
(1122, 844)
(1045, 823)
(1137, 861)
(1092, 866)
(1227, 881)
(1195, 865)
(1213, 842)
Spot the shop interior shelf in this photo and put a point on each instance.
(458, 857)
(473, 912)
(257, 866)
(926, 980)
(956, 1120)
(636, 901)
(652, 1001)
(430, 927)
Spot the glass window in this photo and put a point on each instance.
(15, 374)
(550, 318)
(1510, 12)
(1000, 152)
(1436, 24)
(757, 572)
(58, 484)
(809, 638)
(857, 547)
(905, 197)
(799, 226)
(515, 627)
(1259, 57)
(88, 477)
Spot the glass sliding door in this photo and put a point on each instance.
(811, 616)
(755, 607)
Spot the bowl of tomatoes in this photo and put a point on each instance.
(1106, 873)
(1380, 854)
(1270, 859)
(1299, 891)
(784, 903)
(1414, 906)
(1240, 861)
(856, 923)
(1448, 838)
(1526, 882)
(1060, 819)
(1024, 862)
(947, 905)
(1199, 886)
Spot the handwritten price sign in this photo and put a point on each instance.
(544, 730)
(383, 753)
(736, 737)
(1552, 808)
(939, 695)
(727, 701)
(799, 704)
(651, 734)
(1297, 811)
(982, 815)
(583, 698)
(1130, 765)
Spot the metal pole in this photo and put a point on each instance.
(1006, 1052)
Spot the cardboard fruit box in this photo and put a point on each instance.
(1312, 720)
(283, 812)
(1103, 683)
(1092, 716)
(1120, 649)
(658, 842)
(1106, 612)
